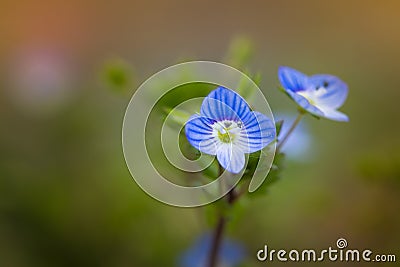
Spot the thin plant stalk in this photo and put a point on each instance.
(219, 230)
(286, 137)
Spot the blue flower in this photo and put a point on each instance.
(298, 146)
(320, 94)
(227, 128)
(230, 254)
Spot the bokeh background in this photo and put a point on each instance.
(68, 69)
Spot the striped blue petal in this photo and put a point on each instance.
(199, 133)
(231, 157)
(257, 133)
(224, 104)
(319, 94)
(336, 90)
(292, 80)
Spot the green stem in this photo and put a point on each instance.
(216, 241)
(218, 234)
(285, 138)
(231, 197)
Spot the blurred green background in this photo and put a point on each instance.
(68, 69)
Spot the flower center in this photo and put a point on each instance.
(313, 95)
(224, 137)
(226, 130)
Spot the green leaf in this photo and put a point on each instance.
(278, 127)
(280, 88)
(257, 78)
(212, 171)
(272, 177)
(176, 117)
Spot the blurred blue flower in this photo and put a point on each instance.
(298, 146)
(320, 94)
(227, 128)
(230, 254)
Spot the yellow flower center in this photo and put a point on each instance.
(225, 137)
(227, 130)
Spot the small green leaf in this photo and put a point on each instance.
(273, 175)
(278, 127)
(257, 78)
(280, 88)
(176, 117)
(212, 171)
